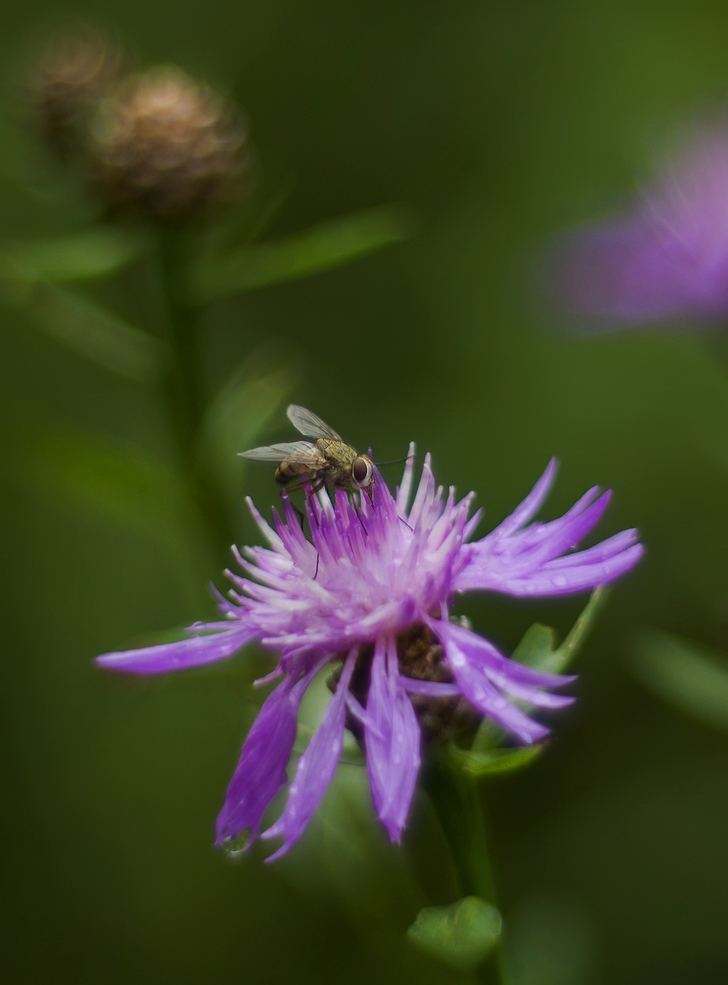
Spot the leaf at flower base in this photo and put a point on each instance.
(84, 256)
(537, 649)
(94, 332)
(321, 248)
(689, 676)
(488, 761)
(537, 646)
(462, 934)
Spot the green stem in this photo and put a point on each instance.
(456, 802)
(184, 398)
(184, 395)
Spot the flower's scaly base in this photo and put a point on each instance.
(421, 656)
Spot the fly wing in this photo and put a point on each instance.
(309, 424)
(301, 452)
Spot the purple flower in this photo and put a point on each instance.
(668, 258)
(371, 592)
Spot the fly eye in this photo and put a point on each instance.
(361, 471)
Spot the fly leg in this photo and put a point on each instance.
(310, 490)
(309, 487)
(359, 516)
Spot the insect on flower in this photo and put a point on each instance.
(324, 458)
(371, 592)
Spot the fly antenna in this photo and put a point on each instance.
(397, 461)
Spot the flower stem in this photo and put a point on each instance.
(184, 395)
(456, 801)
(184, 399)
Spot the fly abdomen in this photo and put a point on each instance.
(289, 470)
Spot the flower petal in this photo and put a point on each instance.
(464, 652)
(403, 491)
(534, 561)
(531, 504)
(192, 652)
(316, 767)
(562, 579)
(261, 770)
(393, 753)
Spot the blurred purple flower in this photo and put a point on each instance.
(374, 576)
(668, 258)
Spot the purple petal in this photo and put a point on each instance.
(474, 681)
(534, 561)
(603, 551)
(500, 668)
(433, 689)
(403, 491)
(179, 656)
(669, 256)
(639, 270)
(316, 767)
(562, 579)
(530, 505)
(393, 751)
(261, 770)
(360, 713)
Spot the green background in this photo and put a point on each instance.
(500, 125)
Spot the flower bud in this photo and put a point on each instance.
(73, 71)
(167, 148)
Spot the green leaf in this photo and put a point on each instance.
(121, 482)
(487, 761)
(537, 649)
(94, 332)
(84, 256)
(312, 252)
(237, 416)
(462, 934)
(688, 676)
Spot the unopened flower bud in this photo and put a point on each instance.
(73, 71)
(166, 147)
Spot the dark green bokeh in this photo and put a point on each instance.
(500, 124)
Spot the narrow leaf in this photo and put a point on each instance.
(119, 481)
(84, 256)
(488, 761)
(237, 416)
(581, 629)
(311, 252)
(687, 675)
(462, 934)
(537, 649)
(94, 332)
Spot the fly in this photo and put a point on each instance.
(324, 457)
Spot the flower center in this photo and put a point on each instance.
(421, 656)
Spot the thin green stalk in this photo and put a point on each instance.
(456, 802)
(184, 398)
(184, 394)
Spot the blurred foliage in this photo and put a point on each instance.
(498, 125)
(462, 934)
(690, 677)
